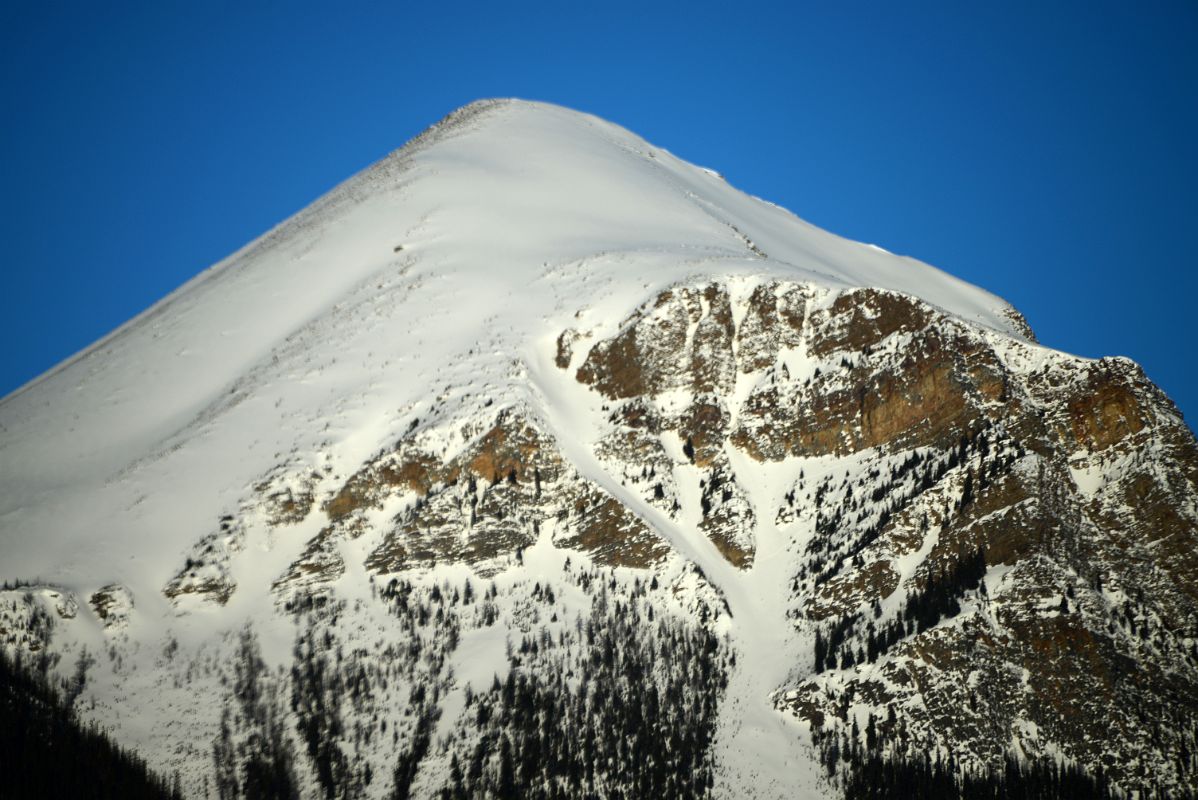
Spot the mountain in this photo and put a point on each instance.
(533, 461)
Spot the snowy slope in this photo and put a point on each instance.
(412, 301)
(507, 215)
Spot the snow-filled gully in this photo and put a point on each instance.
(760, 751)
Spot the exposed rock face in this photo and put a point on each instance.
(674, 364)
(999, 542)
(891, 381)
(481, 508)
(685, 339)
(112, 604)
(205, 576)
(287, 495)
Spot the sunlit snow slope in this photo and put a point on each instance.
(416, 300)
(477, 242)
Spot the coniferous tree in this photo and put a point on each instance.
(47, 752)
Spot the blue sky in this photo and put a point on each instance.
(1045, 151)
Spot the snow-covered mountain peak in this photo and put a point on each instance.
(532, 357)
(500, 226)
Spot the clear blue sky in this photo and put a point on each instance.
(1045, 151)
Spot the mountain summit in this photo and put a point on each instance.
(533, 461)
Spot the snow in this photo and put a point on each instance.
(418, 292)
